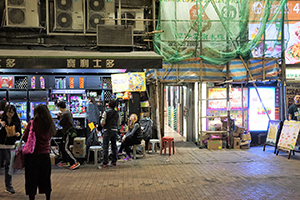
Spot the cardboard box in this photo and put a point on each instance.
(79, 143)
(79, 153)
(236, 143)
(245, 145)
(239, 129)
(246, 137)
(214, 144)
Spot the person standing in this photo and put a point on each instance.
(93, 111)
(132, 137)
(9, 133)
(294, 110)
(110, 122)
(38, 164)
(66, 121)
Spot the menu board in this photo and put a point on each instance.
(273, 131)
(289, 135)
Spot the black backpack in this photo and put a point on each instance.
(146, 128)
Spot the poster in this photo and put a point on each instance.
(258, 119)
(119, 82)
(273, 131)
(270, 44)
(289, 135)
(128, 82)
(235, 96)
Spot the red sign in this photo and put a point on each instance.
(81, 82)
(71, 82)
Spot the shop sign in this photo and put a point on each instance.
(79, 63)
(293, 74)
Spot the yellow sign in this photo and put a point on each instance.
(129, 82)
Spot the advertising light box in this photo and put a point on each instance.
(235, 96)
(258, 119)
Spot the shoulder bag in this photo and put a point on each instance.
(31, 140)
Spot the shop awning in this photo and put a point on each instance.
(44, 59)
(194, 70)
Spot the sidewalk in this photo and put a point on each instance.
(191, 173)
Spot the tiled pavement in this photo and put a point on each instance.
(191, 173)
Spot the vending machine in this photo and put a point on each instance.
(36, 98)
(76, 102)
(74, 99)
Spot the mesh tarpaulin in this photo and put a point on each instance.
(219, 31)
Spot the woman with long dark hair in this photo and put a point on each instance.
(9, 133)
(38, 164)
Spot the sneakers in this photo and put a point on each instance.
(62, 164)
(10, 190)
(114, 164)
(103, 166)
(75, 166)
(128, 158)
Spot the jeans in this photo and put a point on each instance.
(111, 136)
(5, 156)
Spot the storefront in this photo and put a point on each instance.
(29, 78)
(193, 108)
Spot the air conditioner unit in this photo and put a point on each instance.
(68, 15)
(137, 14)
(98, 9)
(114, 35)
(22, 13)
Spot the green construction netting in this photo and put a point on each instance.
(219, 30)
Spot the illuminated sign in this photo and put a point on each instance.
(235, 98)
(258, 119)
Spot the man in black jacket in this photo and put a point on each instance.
(110, 122)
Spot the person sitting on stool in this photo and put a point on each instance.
(132, 137)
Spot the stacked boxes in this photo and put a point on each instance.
(79, 147)
(238, 131)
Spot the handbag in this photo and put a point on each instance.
(30, 144)
(19, 161)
